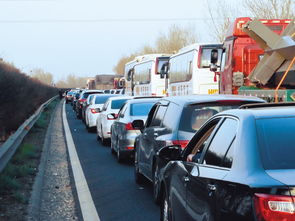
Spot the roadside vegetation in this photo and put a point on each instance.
(20, 97)
(17, 178)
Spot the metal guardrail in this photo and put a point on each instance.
(8, 148)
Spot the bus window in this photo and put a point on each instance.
(205, 60)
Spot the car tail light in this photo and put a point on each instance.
(274, 207)
(130, 148)
(182, 143)
(81, 100)
(129, 126)
(94, 110)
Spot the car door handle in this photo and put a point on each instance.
(186, 179)
(211, 187)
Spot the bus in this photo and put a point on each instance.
(189, 70)
(143, 76)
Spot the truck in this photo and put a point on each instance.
(255, 55)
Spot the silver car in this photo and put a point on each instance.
(122, 133)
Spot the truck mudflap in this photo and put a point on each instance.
(287, 95)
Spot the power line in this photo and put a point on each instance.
(106, 20)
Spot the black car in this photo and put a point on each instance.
(239, 166)
(174, 120)
(82, 99)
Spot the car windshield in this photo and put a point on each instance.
(194, 116)
(101, 99)
(140, 109)
(277, 142)
(117, 104)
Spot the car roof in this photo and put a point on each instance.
(145, 100)
(263, 112)
(119, 97)
(192, 99)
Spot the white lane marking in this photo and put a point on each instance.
(88, 209)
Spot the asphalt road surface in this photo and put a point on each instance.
(115, 194)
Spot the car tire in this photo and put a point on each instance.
(112, 148)
(103, 140)
(139, 178)
(165, 214)
(156, 189)
(119, 156)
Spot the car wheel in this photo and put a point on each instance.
(156, 192)
(165, 209)
(112, 148)
(119, 156)
(103, 140)
(139, 178)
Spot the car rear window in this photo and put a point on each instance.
(117, 104)
(140, 109)
(194, 116)
(85, 95)
(101, 99)
(277, 142)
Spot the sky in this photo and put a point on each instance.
(88, 37)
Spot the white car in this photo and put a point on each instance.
(94, 108)
(107, 116)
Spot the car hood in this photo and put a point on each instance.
(285, 176)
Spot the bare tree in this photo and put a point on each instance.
(176, 38)
(222, 13)
(270, 9)
(41, 75)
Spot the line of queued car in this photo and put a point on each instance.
(208, 157)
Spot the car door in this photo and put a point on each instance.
(100, 118)
(148, 139)
(180, 173)
(120, 123)
(205, 179)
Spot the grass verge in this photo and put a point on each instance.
(17, 178)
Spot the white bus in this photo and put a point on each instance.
(189, 70)
(143, 75)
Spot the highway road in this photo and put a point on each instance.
(115, 194)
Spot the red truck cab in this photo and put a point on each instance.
(241, 54)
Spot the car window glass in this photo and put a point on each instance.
(122, 111)
(105, 106)
(221, 142)
(158, 117)
(171, 118)
(151, 115)
(140, 109)
(276, 142)
(194, 116)
(101, 99)
(117, 104)
(228, 159)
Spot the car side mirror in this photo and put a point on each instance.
(213, 67)
(112, 116)
(138, 124)
(168, 153)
